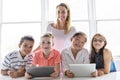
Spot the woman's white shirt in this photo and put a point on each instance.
(61, 40)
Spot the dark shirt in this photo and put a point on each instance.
(100, 64)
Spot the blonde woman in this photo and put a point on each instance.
(61, 29)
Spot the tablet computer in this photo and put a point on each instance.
(40, 71)
(84, 70)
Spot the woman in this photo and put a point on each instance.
(62, 29)
(101, 56)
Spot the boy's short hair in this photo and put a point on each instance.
(80, 33)
(30, 38)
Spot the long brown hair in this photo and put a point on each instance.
(92, 52)
(68, 20)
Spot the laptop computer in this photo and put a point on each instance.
(40, 71)
(82, 70)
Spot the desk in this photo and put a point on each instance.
(110, 76)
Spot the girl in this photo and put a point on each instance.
(101, 56)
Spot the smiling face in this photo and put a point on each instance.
(62, 13)
(98, 42)
(78, 42)
(26, 47)
(46, 44)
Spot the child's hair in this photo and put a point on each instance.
(30, 38)
(48, 35)
(92, 52)
(80, 33)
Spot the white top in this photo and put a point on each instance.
(61, 40)
(14, 61)
(68, 58)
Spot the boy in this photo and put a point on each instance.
(75, 54)
(15, 62)
(47, 56)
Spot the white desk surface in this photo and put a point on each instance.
(110, 76)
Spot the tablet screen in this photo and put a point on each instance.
(40, 71)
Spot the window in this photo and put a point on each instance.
(19, 18)
(78, 11)
(107, 9)
(12, 33)
(30, 17)
(108, 23)
(21, 10)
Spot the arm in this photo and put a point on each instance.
(4, 72)
(86, 57)
(35, 59)
(14, 74)
(49, 27)
(37, 49)
(64, 62)
(57, 62)
(107, 61)
(5, 65)
(65, 66)
(57, 71)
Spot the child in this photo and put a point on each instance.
(101, 56)
(15, 62)
(47, 56)
(75, 54)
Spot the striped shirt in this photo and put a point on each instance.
(14, 61)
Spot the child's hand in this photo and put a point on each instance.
(27, 75)
(54, 75)
(95, 74)
(100, 73)
(21, 69)
(12, 74)
(69, 74)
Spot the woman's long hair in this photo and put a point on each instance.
(68, 20)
